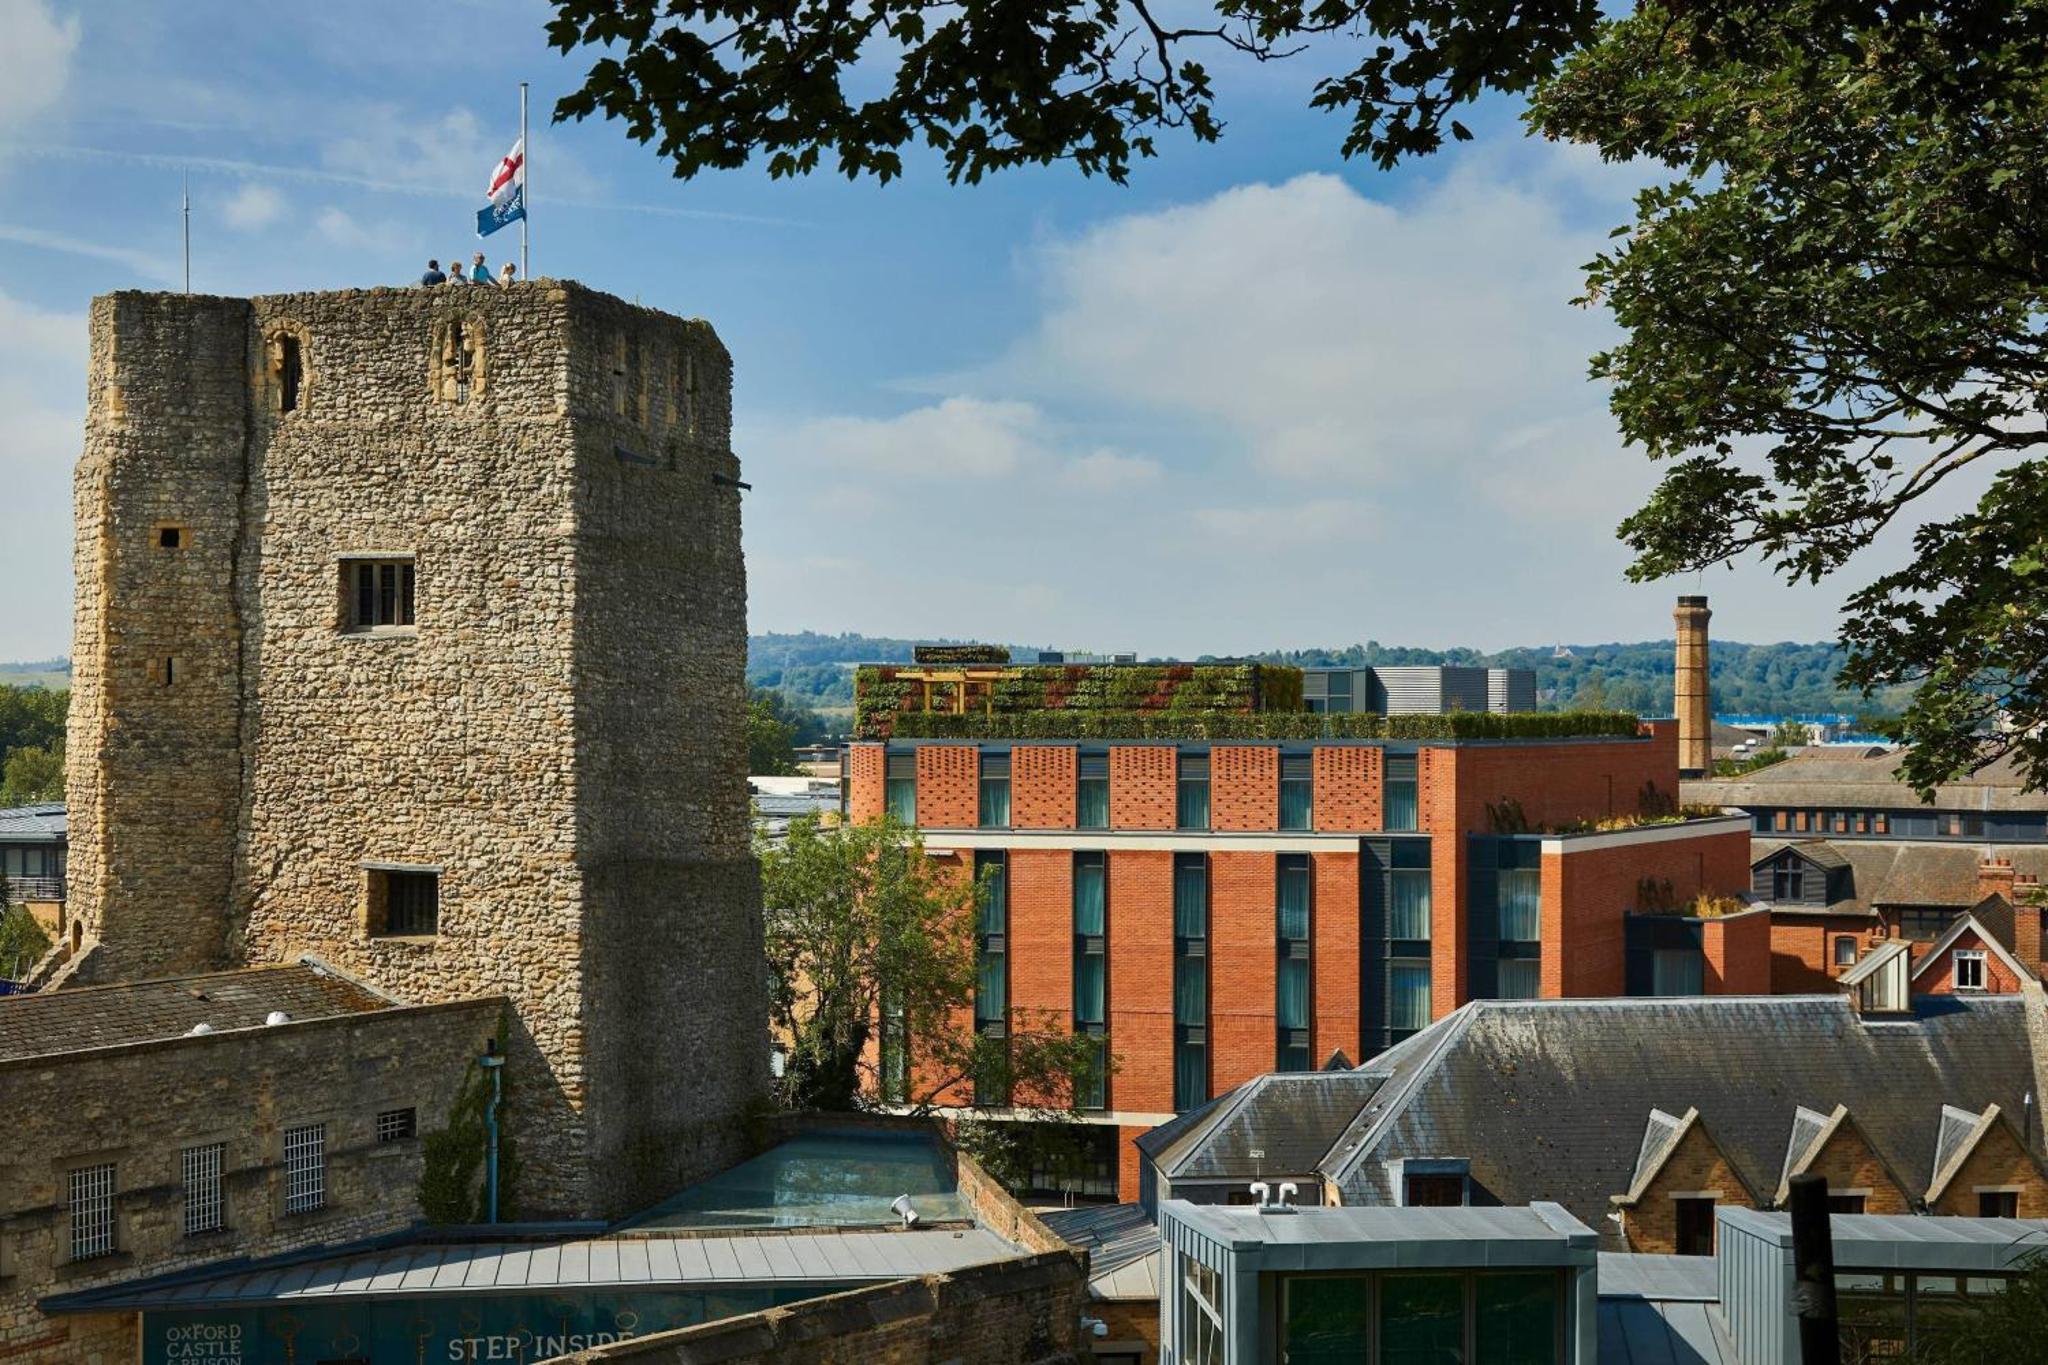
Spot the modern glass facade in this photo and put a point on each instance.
(1191, 792)
(1400, 792)
(1091, 969)
(1190, 981)
(1294, 1009)
(1091, 792)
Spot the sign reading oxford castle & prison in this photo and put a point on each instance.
(406, 721)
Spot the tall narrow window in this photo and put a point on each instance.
(995, 791)
(1091, 969)
(305, 1168)
(465, 361)
(1091, 792)
(1400, 791)
(1297, 791)
(1190, 981)
(1191, 795)
(379, 592)
(1408, 991)
(1519, 907)
(1408, 885)
(205, 1210)
(900, 782)
(1293, 978)
(992, 975)
(91, 1198)
(291, 373)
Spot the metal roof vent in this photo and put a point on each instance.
(199, 1030)
(276, 1017)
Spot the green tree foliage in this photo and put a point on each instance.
(32, 775)
(1832, 310)
(1996, 1332)
(32, 718)
(1011, 83)
(22, 940)
(771, 739)
(857, 911)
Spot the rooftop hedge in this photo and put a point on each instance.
(884, 699)
(1177, 725)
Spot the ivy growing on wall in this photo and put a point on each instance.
(452, 1188)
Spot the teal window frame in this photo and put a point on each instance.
(1294, 978)
(1400, 791)
(1091, 968)
(1190, 981)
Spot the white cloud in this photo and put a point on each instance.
(253, 206)
(1281, 525)
(143, 263)
(42, 416)
(35, 59)
(1326, 334)
(958, 438)
(1104, 471)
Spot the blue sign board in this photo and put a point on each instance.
(444, 1327)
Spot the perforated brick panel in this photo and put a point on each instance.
(948, 786)
(1244, 792)
(866, 784)
(1348, 790)
(1042, 786)
(1141, 786)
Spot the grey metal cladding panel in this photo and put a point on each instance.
(753, 1262)
(787, 1256)
(633, 1266)
(547, 1265)
(663, 1261)
(575, 1264)
(604, 1262)
(695, 1260)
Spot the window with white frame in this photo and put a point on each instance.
(1969, 969)
(205, 1210)
(305, 1168)
(91, 1191)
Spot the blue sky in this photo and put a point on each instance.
(1260, 398)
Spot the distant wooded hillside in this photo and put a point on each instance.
(816, 670)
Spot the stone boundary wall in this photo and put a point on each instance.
(1020, 1312)
(139, 1105)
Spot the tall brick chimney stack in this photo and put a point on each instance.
(1689, 693)
(1995, 877)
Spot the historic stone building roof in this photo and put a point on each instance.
(1552, 1099)
(1827, 778)
(52, 1022)
(1899, 872)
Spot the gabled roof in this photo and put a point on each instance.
(1874, 961)
(1898, 872)
(44, 823)
(1834, 777)
(1661, 1136)
(1811, 1134)
(1960, 1135)
(1985, 921)
(1289, 1118)
(1818, 852)
(1544, 1097)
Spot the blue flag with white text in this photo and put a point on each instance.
(510, 209)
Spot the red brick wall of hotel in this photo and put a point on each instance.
(1585, 895)
(1141, 981)
(1738, 953)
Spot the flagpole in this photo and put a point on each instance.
(185, 200)
(525, 186)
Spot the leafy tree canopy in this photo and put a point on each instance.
(857, 920)
(1834, 309)
(32, 776)
(771, 739)
(1008, 83)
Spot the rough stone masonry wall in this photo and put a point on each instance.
(672, 972)
(139, 1106)
(559, 735)
(155, 767)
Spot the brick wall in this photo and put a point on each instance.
(1998, 1160)
(1142, 781)
(1556, 782)
(1849, 1164)
(1697, 1166)
(948, 786)
(1737, 949)
(138, 1106)
(1020, 1312)
(1243, 967)
(867, 788)
(1940, 977)
(1141, 981)
(1042, 942)
(1587, 892)
(1348, 791)
(1335, 948)
(1244, 787)
(1043, 786)
(1802, 950)
(1436, 811)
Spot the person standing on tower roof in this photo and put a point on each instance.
(433, 275)
(480, 270)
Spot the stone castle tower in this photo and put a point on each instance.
(411, 634)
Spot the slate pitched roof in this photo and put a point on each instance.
(1831, 777)
(1290, 1117)
(1547, 1099)
(38, 824)
(1902, 872)
(53, 1022)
